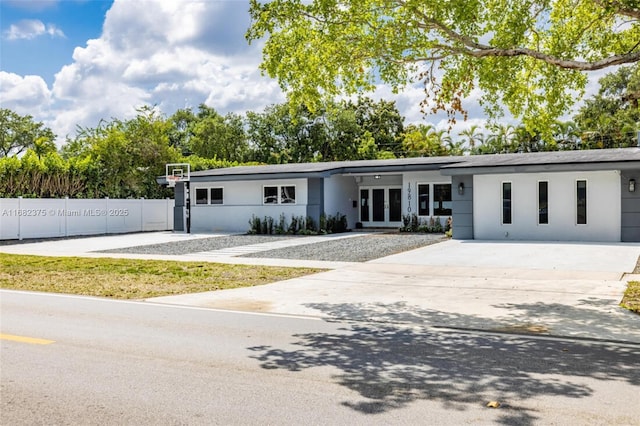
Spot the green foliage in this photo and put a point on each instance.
(336, 132)
(333, 224)
(215, 136)
(298, 225)
(631, 298)
(49, 176)
(19, 133)
(413, 223)
(611, 119)
(526, 56)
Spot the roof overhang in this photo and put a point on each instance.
(540, 168)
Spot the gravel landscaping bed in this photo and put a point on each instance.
(356, 249)
(198, 245)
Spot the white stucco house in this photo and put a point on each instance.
(556, 196)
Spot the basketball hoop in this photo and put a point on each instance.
(172, 180)
(177, 172)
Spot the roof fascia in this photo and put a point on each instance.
(541, 168)
(259, 176)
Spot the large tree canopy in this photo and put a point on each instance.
(529, 56)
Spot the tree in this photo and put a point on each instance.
(217, 136)
(125, 156)
(181, 131)
(472, 136)
(274, 134)
(611, 118)
(382, 120)
(529, 56)
(423, 140)
(566, 135)
(19, 133)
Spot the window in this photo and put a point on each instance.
(202, 195)
(364, 205)
(216, 195)
(206, 196)
(581, 202)
(285, 194)
(506, 203)
(543, 203)
(270, 195)
(442, 199)
(288, 195)
(423, 200)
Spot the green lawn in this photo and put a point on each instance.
(132, 278)
(631, 299)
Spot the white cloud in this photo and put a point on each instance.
(29, 29)
(150, 55)
(25, 94)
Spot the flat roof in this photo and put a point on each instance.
(453, 165)
(331, 167)
(551, 157)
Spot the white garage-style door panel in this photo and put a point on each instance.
(548, 206)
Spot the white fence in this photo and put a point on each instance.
(22, 218)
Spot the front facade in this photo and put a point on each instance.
(567, 195)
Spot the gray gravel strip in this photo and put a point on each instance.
(199, 245)
(357, 249)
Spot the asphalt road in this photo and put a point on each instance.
(110, 362)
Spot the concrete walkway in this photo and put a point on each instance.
(548, 289)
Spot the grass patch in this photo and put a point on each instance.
(132, 278)
(631, 299)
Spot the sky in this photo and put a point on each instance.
(71, 63)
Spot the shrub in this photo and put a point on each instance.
(299, 225)
(410, 222)
(254, 225)
(281, 226)
(333, 224)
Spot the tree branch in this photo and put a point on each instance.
(478, 50)
(620, 8)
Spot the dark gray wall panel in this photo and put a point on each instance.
(315, 198)
(462, 207)
(630, 206)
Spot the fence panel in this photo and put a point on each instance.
(46, 218)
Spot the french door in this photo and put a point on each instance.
(381, 206)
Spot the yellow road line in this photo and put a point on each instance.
(23, 339)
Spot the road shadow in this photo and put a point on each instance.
(391, 367)
(589, 318)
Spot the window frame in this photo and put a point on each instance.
(546, 202)
(418, 209)
(502, 198)
(586, 203)
(211, 203)
(279, 195)
(281, 191)
(433, 199)
(209, 198)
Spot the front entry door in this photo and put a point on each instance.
(381, 206)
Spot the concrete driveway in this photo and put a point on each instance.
(557, 289)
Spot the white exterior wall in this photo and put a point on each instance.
(603, 207)
(340, 192)
(412, 179)
(49, 218)
(242, 200)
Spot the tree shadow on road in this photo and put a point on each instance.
(391, 366)
(590, 317)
